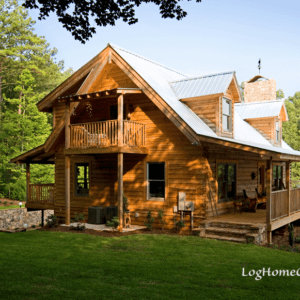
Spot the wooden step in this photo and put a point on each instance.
(226, 238)
(230, 232)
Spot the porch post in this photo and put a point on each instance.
(288, 185)
(120, 120)
(120, 190)
(67, 164)
(28, 182)
(269, 203)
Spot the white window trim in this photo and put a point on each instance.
(148, 185)
(230, 115)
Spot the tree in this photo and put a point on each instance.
(279, 94)
(291, 130)
(103, 12)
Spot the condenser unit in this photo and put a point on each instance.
(96, 215)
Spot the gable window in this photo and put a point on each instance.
(277, 132)
(277, 178)
(226, 182)
(156, 181)
(226, 115)
(82, 182)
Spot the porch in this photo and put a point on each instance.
(40, 196)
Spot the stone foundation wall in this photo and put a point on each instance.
(16, 218)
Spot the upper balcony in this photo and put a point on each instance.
(103, 137)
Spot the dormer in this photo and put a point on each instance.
(261, 109)
(212, 98)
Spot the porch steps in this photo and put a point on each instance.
(229, 231)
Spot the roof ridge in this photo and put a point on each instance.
(199, 77)
(144, 58)
(259, 102)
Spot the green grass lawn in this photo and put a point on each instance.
(11, 206)
(55, 265)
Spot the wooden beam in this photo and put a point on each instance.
(288, 184)
(28, 181)
(67, 125)
(107, 150)
(120, 120)
(120, 190)
(269, 192)
(283, 221)
(67, 189)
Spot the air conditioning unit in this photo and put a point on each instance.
(96, 215)
(111, 211)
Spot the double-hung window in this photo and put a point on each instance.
(82, 183)
(226, 115)
(156, 181)
(277, 178)
(277, 132)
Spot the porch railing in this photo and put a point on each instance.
(279, 204)
(295, 200)
(105, 134)
(41, 193)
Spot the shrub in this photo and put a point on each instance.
(114, 223)
(52, 221)
(161, 215)
(291, 235)
(180, 224)
(77, 218)
(5, 202)
(33, 226)
(0, 201)
(149, 221)
(11, 203)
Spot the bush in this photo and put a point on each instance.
(180, 224)
(33, 226)
(11, 203)
(77, 218)
(149, 221)
(161, 218)
(5, 202)
(52, 221)
(114, 223)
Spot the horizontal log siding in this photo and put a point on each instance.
(186, 170)
(266, 126)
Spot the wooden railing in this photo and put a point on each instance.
(41, 193)
(295, 200)
(105, 134)
(279, 204)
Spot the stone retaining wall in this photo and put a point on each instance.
(16, 218)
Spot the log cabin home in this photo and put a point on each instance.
(125, 125)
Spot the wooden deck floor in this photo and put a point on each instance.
(242, 218)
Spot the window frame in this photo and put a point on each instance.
(226, 164)
(161, 180)
(277, 131)
(277, 182)
(228, 117)
(84, 164)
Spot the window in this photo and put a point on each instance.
(226, 115)
(82, 183)
(156, 181)
(226, 182)
(277, 132)
(277, 178)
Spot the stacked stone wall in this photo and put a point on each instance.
(260, 91)
(20, 218)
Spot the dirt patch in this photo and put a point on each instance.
(9, 202)
(114, 234)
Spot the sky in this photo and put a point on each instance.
(216, 36)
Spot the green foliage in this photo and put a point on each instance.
(291, 235)
(28, 72)
(52, 221)
(77, 218)
(161, 219)
(33, 226)
(150, 220)
(5, 202)
(279, 94)
(179, 224)
(114, 223)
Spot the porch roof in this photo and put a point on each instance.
(37, 155)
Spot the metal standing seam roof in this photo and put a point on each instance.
(259, 109)
(160, 77)
(202, 86)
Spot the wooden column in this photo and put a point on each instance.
(67, 165)
(120, 120)
(288, 185)
(269, 204)
(28, 182)
(120, 190)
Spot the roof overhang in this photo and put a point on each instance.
(35, 156)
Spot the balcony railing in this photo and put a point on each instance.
(105, 134)
(41, 193)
